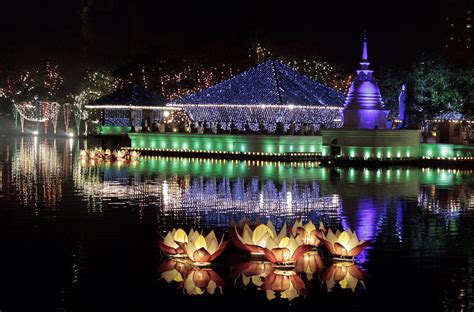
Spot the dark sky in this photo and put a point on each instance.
(50, 29)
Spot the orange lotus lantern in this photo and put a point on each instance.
(255, 241)
(285, 251)
(287, 284)
(173, 270)
(310, 263)
(344, 244)
(202, 280)
(253, 272)
(309, 234)
(202, 250)
(170, 243)
(345, 274)
(120, 154)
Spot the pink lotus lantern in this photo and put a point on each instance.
(345, 274)
(309, 234)
(344, 244)
(287, 284)
(202, 250)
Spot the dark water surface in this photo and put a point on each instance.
(76, 236)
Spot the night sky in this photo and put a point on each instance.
(397, 30)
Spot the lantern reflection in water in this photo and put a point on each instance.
(252, 272)
(311, 263)
(193, 280)
(284, 284)
(345, 274)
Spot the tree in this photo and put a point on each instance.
(436, 87)
(93, 86)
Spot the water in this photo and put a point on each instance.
(76, 236)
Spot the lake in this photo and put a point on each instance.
(82, 236)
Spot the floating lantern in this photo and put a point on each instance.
(346, 275)
(202, 250)
(170, 243)
(287, 284)
(285, 251)
(344, 244)
(308, 232)
(255, 241)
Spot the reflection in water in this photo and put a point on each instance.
(410, 215)
(193, 280)
(284, 285)
(37, 173)
(344, 274)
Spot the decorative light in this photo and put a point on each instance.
(255, 241)
(285, 251)
(170, 243)
(309, 234)
(202, 250)
(344, 244)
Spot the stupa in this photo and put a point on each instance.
(366, 131)
(364, 107)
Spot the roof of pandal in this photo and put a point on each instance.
(271, 82)
(132, 95)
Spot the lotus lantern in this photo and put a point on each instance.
(170, 243)
(202, 250)
(255, 241)
(344, 244)
(285, 251)
(309, 234)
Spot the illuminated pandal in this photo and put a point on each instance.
(41, 112)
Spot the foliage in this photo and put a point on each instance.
(43, 82)
(434, 87)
